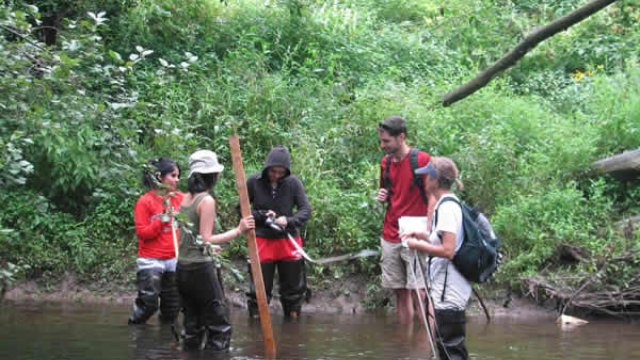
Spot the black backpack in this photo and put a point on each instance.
(417, 179)
(479, 255)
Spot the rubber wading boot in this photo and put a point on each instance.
(193, 340)
(169, 298)
(193, 332)
(146, 304)
(216, 314)
(268, 273)
(293, 286)
(451, 334)
(219, 337)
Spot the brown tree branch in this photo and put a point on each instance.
(23, 37)
(529, 42)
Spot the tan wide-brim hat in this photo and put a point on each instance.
(204, 162)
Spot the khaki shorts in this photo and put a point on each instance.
(401, 269)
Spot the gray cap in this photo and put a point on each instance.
(204, 162)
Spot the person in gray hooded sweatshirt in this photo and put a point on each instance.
(278, 197)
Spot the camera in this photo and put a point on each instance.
(271, 222)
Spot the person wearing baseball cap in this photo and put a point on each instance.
(206, 313)
(449, 289)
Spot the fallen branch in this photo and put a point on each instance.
(24, 37)
(581, 288)
(613, 302)
(529, 42)
(625, 166)
(602, 291)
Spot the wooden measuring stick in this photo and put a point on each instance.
(256, 270)
(176, 247)
(175, 236)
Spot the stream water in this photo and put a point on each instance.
(71, 331)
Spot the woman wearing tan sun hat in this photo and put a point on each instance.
(206, 314)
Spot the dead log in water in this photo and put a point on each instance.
(594, 293)
(625, 166)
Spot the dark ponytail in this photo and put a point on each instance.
(201, 182)
(155, 169)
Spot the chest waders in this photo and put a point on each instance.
(155, 286)
(292, 282)
(292, 279)
(450, 325)
(206, 319)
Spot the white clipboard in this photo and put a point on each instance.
(407, 224)
(412, 223)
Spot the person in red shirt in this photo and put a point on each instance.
(403, 198)
(157, 242)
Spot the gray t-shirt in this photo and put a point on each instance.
(458, 289)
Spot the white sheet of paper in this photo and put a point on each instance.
(412, 223)
(408, 224)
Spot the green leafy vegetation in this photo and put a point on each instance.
(130, 80)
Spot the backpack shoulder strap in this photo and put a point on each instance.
(413, 157)
(386, 177)
(417, 179)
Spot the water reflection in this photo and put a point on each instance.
(41, 331)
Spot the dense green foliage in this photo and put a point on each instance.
(164, 77)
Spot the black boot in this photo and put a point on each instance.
(293, 286)
(451, 334)
(219, 327)
(188, 280)
(268, 272)
(217, 319)
(146, 304)
(169, 298)
(193, 332)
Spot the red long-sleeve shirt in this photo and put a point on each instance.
(154, 237)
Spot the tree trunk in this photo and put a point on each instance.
(50, 27)
(625, 166)
(529, 42)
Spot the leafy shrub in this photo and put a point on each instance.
(614, 107)
(534, 226)
(164, 78)
(42, 239)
